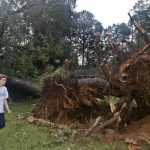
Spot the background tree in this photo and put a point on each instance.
(83, 39)
(34, 35)
(141, 13)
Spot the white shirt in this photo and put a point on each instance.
(3, 96)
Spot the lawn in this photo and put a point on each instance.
(20, 135)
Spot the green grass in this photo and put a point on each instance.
(20, 135)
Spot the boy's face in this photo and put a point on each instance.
(2, 81)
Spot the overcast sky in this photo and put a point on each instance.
(107, 11)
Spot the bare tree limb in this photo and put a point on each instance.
(93, 125)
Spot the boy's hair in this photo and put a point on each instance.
(2, 76)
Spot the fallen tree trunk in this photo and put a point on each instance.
(22, 87)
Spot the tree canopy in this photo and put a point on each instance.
(36, 35)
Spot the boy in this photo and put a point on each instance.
(3, 100)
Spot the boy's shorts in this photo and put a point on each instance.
(2, 120)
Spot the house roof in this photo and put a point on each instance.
(88, 72)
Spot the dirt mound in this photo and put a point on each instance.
(136, 134)
(138, 130)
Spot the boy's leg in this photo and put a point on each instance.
(2, 120)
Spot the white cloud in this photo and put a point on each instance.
(107, 11)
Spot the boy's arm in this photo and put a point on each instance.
(6, 105)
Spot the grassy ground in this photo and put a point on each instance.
(20, 135)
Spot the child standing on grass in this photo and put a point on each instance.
(3, 100)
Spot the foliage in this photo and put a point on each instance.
(141, 13)
(106, 100)
(20, 65)
(39, 31)
(117, 32)
(37, 34)
(60, 73)
(47, 32)
(84, 36)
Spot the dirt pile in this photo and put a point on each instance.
(138, 130)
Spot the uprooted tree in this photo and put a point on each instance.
(65, 100)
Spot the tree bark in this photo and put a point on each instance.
(24, 85)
